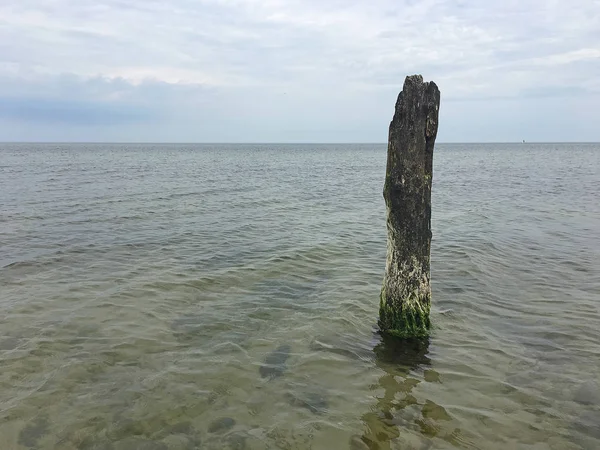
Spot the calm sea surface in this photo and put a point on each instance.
(159, 297)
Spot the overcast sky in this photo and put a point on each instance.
(295, 70)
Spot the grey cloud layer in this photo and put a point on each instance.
(293, 70)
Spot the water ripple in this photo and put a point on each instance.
(144, 289)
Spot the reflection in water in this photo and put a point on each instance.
(398, 418)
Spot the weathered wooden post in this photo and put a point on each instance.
(406, 294)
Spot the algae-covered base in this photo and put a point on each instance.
(408, 320)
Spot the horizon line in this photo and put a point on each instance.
(285, 143)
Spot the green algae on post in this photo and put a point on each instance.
(405, 299)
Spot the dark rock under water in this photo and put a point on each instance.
(221, 425)
(275, 362)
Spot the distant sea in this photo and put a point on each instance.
(164, 297)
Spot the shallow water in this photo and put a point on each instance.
(225, 296)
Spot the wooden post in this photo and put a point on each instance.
(406, 294)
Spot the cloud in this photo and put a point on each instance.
(54, 111)
(254, 67)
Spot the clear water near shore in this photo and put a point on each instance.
(143, 287)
